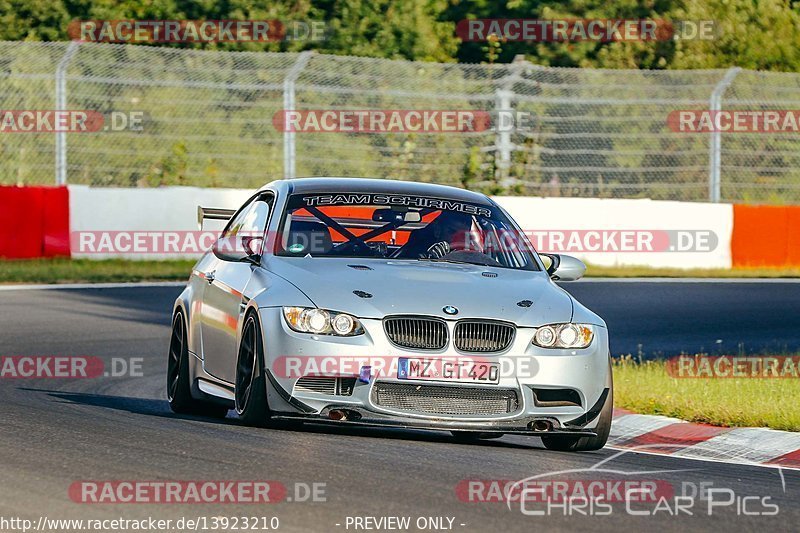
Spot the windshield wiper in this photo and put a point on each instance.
(440, 260)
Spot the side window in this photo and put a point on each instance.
(251, 222)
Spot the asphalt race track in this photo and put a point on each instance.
(670, 317)
(56, 432)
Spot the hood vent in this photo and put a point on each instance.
(360, 267)
(362, 294)
(489, 274)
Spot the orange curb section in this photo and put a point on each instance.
(765, 236)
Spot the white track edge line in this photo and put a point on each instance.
(76, 286)
(706, 459)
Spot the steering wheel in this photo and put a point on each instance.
(437, 250)
(442, 248)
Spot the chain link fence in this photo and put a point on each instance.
(208, 121)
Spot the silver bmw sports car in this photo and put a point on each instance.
(385, 303)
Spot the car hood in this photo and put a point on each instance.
(420, 287)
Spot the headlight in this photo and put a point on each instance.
(322, 321)
(564, 336)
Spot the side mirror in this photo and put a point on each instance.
(564, 267)
(237, 248)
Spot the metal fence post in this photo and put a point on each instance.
(502, 140)
(61, 105)
(715, 144)
(506, 124)
(289, 148)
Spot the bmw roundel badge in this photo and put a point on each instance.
(450, 310)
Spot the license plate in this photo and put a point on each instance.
(448, 370)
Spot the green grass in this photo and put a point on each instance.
(91, 271)
(647, 388)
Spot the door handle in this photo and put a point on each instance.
(210, 276)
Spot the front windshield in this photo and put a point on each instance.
(402, 227)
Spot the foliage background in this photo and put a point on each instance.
(754, 34)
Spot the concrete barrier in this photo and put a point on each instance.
(164, 209)
(628, 232)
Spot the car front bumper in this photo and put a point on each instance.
(527, 369)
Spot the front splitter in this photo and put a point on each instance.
(358, 417)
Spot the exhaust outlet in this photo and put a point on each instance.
(337, 414)
(541, 425)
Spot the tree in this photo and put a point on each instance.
(32, 20)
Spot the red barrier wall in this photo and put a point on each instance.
(766, 236)
(34, 222)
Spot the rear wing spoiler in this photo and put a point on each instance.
(212, 213)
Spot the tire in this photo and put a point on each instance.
(585, 444)
(251, 389)
(178, 382)
(474, 436)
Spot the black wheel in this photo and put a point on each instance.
(584, 444)
(178, 383)
(251, 387)
(473, 436)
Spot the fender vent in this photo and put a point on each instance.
(360, 267)
(489, 274)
